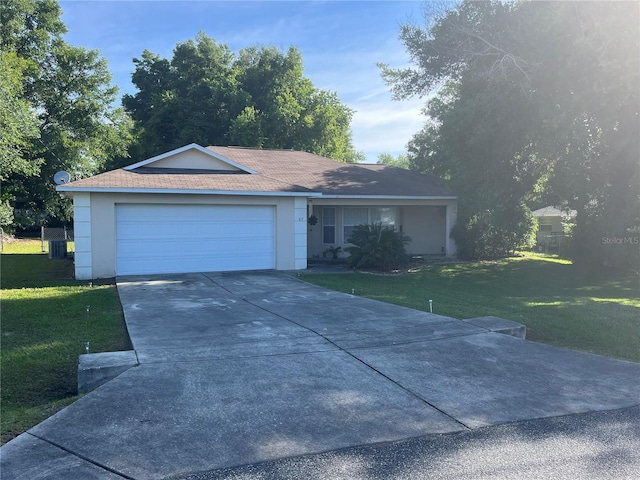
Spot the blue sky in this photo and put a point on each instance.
(340, 41)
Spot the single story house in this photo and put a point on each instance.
(231, 208)
(551, 223)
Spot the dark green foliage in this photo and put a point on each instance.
(61, 113)
(401, 161)
(258, 98)
(377, 247)
(19, 126)
(536, 103)
(246, 129)
(494, 234)
(334, 251)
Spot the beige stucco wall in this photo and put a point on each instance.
(96, 213)
(193, 159)
(427, 222)
(427, 228)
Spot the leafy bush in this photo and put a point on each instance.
(595, 244)
(6, 216)
(494, 233)
(377, 247)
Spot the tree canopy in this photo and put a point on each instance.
(56, 112)
(402, 160)
(532, 103)
(257, 98)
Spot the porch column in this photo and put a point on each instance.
(82, 256)
(300, 209)
(450, 221)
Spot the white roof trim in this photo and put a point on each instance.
(394, 197)
(71, 189)
(191, 146)
(178, 191)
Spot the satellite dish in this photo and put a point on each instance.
(61, 177)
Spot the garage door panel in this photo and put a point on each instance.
(190, 238)
(195, 248)
(177, 265)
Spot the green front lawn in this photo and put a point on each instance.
(45, 325)
(559, 303)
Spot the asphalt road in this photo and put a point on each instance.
(600, 445)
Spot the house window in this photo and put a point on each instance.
(353, 217)
(328, 225)
(359, 215)
(385, 216)
(544, 227)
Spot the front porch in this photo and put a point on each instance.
(427, 222)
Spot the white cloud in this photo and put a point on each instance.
(385, 127)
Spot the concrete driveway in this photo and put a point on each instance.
(236, 369)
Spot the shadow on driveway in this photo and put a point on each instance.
(243, 368)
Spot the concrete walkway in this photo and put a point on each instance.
(236, 369)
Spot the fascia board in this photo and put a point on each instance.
(186, 192)
(393, 197)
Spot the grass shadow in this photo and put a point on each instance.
(560, 303)
(47, 316)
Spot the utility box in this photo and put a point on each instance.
(57, 248)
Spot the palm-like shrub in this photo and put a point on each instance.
(377, 247)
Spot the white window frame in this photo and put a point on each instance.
(351, 226)
(330, 225)
(369, 215)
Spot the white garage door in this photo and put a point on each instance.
(193, 238)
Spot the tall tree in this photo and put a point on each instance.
(257, 98)
(533, 100)
(592, 123)
(402, 160)
(19, 125)
(67, 89)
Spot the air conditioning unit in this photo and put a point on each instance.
(57, 248)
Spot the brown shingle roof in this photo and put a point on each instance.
(278, 171)
(334, 178)
(125, 180)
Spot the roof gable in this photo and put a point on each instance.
(250, 171)
(551, 211)
(192, 157)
